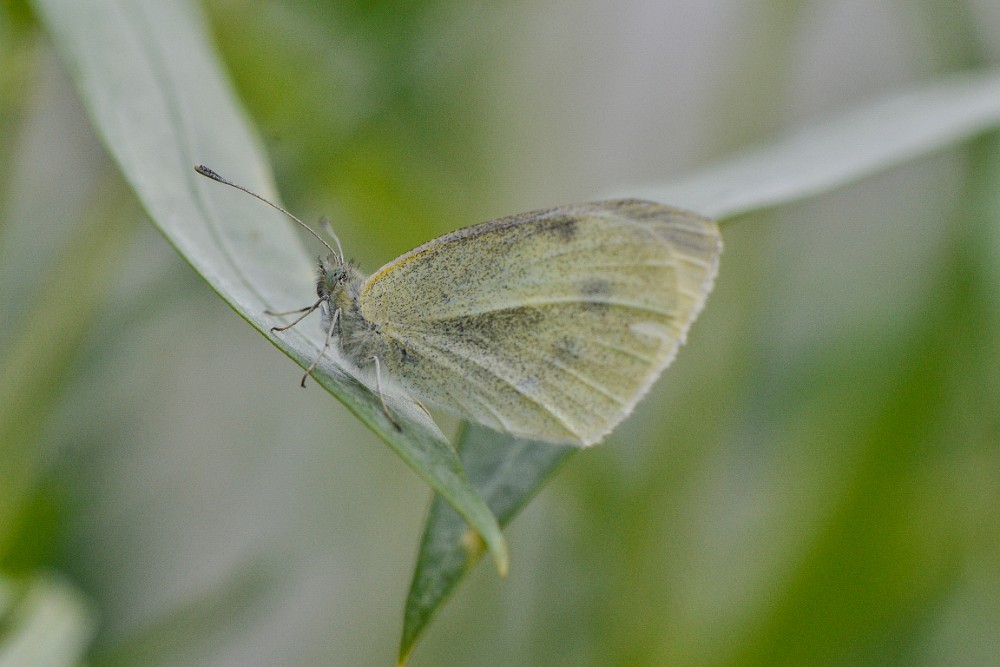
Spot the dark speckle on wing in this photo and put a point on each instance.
(566, 350)
(595, 292)
(596, 287)
(563, 227)
(492, 323)
(408, 356)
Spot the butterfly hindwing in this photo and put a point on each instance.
(550, 325)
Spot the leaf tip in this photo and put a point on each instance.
(503, 562)
(474, 547)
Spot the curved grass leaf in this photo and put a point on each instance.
(808, 162)
(841, 150)
(38, 360)
(158, 98)
(507, 474)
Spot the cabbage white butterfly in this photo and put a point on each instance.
(549, 325)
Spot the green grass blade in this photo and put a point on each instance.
(44, 347)
(158, 98)
(507, 474)
(842, 150)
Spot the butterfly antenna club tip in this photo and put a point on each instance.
(209, 173)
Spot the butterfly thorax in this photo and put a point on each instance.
(339, 285)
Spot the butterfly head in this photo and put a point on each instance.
(336, 279)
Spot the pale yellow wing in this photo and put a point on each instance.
(550, 325)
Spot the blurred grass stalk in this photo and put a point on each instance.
(39, 359)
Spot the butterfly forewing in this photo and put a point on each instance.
(550, 325)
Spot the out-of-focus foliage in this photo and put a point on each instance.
(814, 481)
(376, 114)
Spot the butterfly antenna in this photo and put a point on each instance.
(205, 171)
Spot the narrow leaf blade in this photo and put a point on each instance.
(507, 473)
(842, 150)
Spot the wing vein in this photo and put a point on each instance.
(548, 410)
(533, 303)
(587, 381)
(623, 350)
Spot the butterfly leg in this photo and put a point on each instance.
(326, 344)
(305, 313)
(282, 313)
(381, 398)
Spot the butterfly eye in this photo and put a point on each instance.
(329, 277)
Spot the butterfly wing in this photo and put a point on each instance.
(550, 325)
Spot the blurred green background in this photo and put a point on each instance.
(816, 480)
